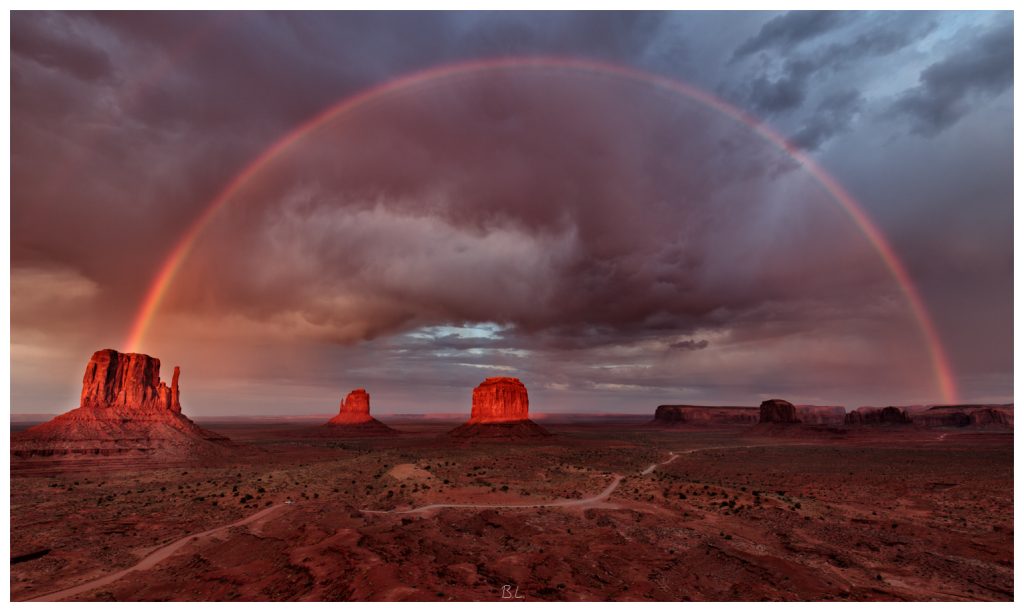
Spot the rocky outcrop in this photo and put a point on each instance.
(500, 399)
(524, 428)
(500, 409)
(674, 415)
(175, 394)
(992, 417)
(354, 409)
(943, 419)
(980, 416)
(125, 410)
(821, 415)
(890, 415)
(778, 411)
(356, 402)
(354, 418)
(128, 380)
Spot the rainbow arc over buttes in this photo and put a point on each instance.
(945, 381)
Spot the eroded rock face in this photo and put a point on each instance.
(127, 380)
(175, 394)
(500, 399)
(500, 410)
(671, 414)
(890, 415)
(821, 415)
(356, 402)
(778, 411)
(353, 418)
(986, 416)
(126, 410)
(355, 409)
(992, 417)
(943, 419)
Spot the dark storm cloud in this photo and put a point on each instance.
(782, 94)
(689, 345)
(981, 67)
(789, 30)
(884, 35)
(53, 43)
(591, 246)
(553, 205)
(785, 88)
(833, 116)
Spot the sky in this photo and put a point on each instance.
(610, 241)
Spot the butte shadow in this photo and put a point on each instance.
(125, 411)
(500, 411)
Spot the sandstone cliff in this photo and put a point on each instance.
(890, 415)
(128, 380)
(125, 410)
(678, 415)
(979, 416)
(821, 415)
(777, 411)
(500, 409)
(500, 399)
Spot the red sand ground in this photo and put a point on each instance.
(612, 510)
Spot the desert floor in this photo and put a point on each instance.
(613, 511)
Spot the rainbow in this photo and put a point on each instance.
(158, 289)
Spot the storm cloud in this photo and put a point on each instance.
(613, 244)
(983, 66)
(789, 30)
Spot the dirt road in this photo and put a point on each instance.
(560, 503)
(154, 558)
(164, 552)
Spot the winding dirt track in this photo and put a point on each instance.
(166, 551)
(558, 503)
(563, 503)
(153, 558)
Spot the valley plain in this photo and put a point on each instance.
(606, 508)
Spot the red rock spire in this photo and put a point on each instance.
(175, 395)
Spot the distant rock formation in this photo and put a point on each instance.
(777, 411)
(821, 415)
(674, 415)
(890, 415)
(354, 417)
(125, 410)
(980, 416)
(500, 399)
(951, 418)
(355, 408)
(992, 417)
(500, 409)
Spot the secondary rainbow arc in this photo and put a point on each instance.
(943, 373)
